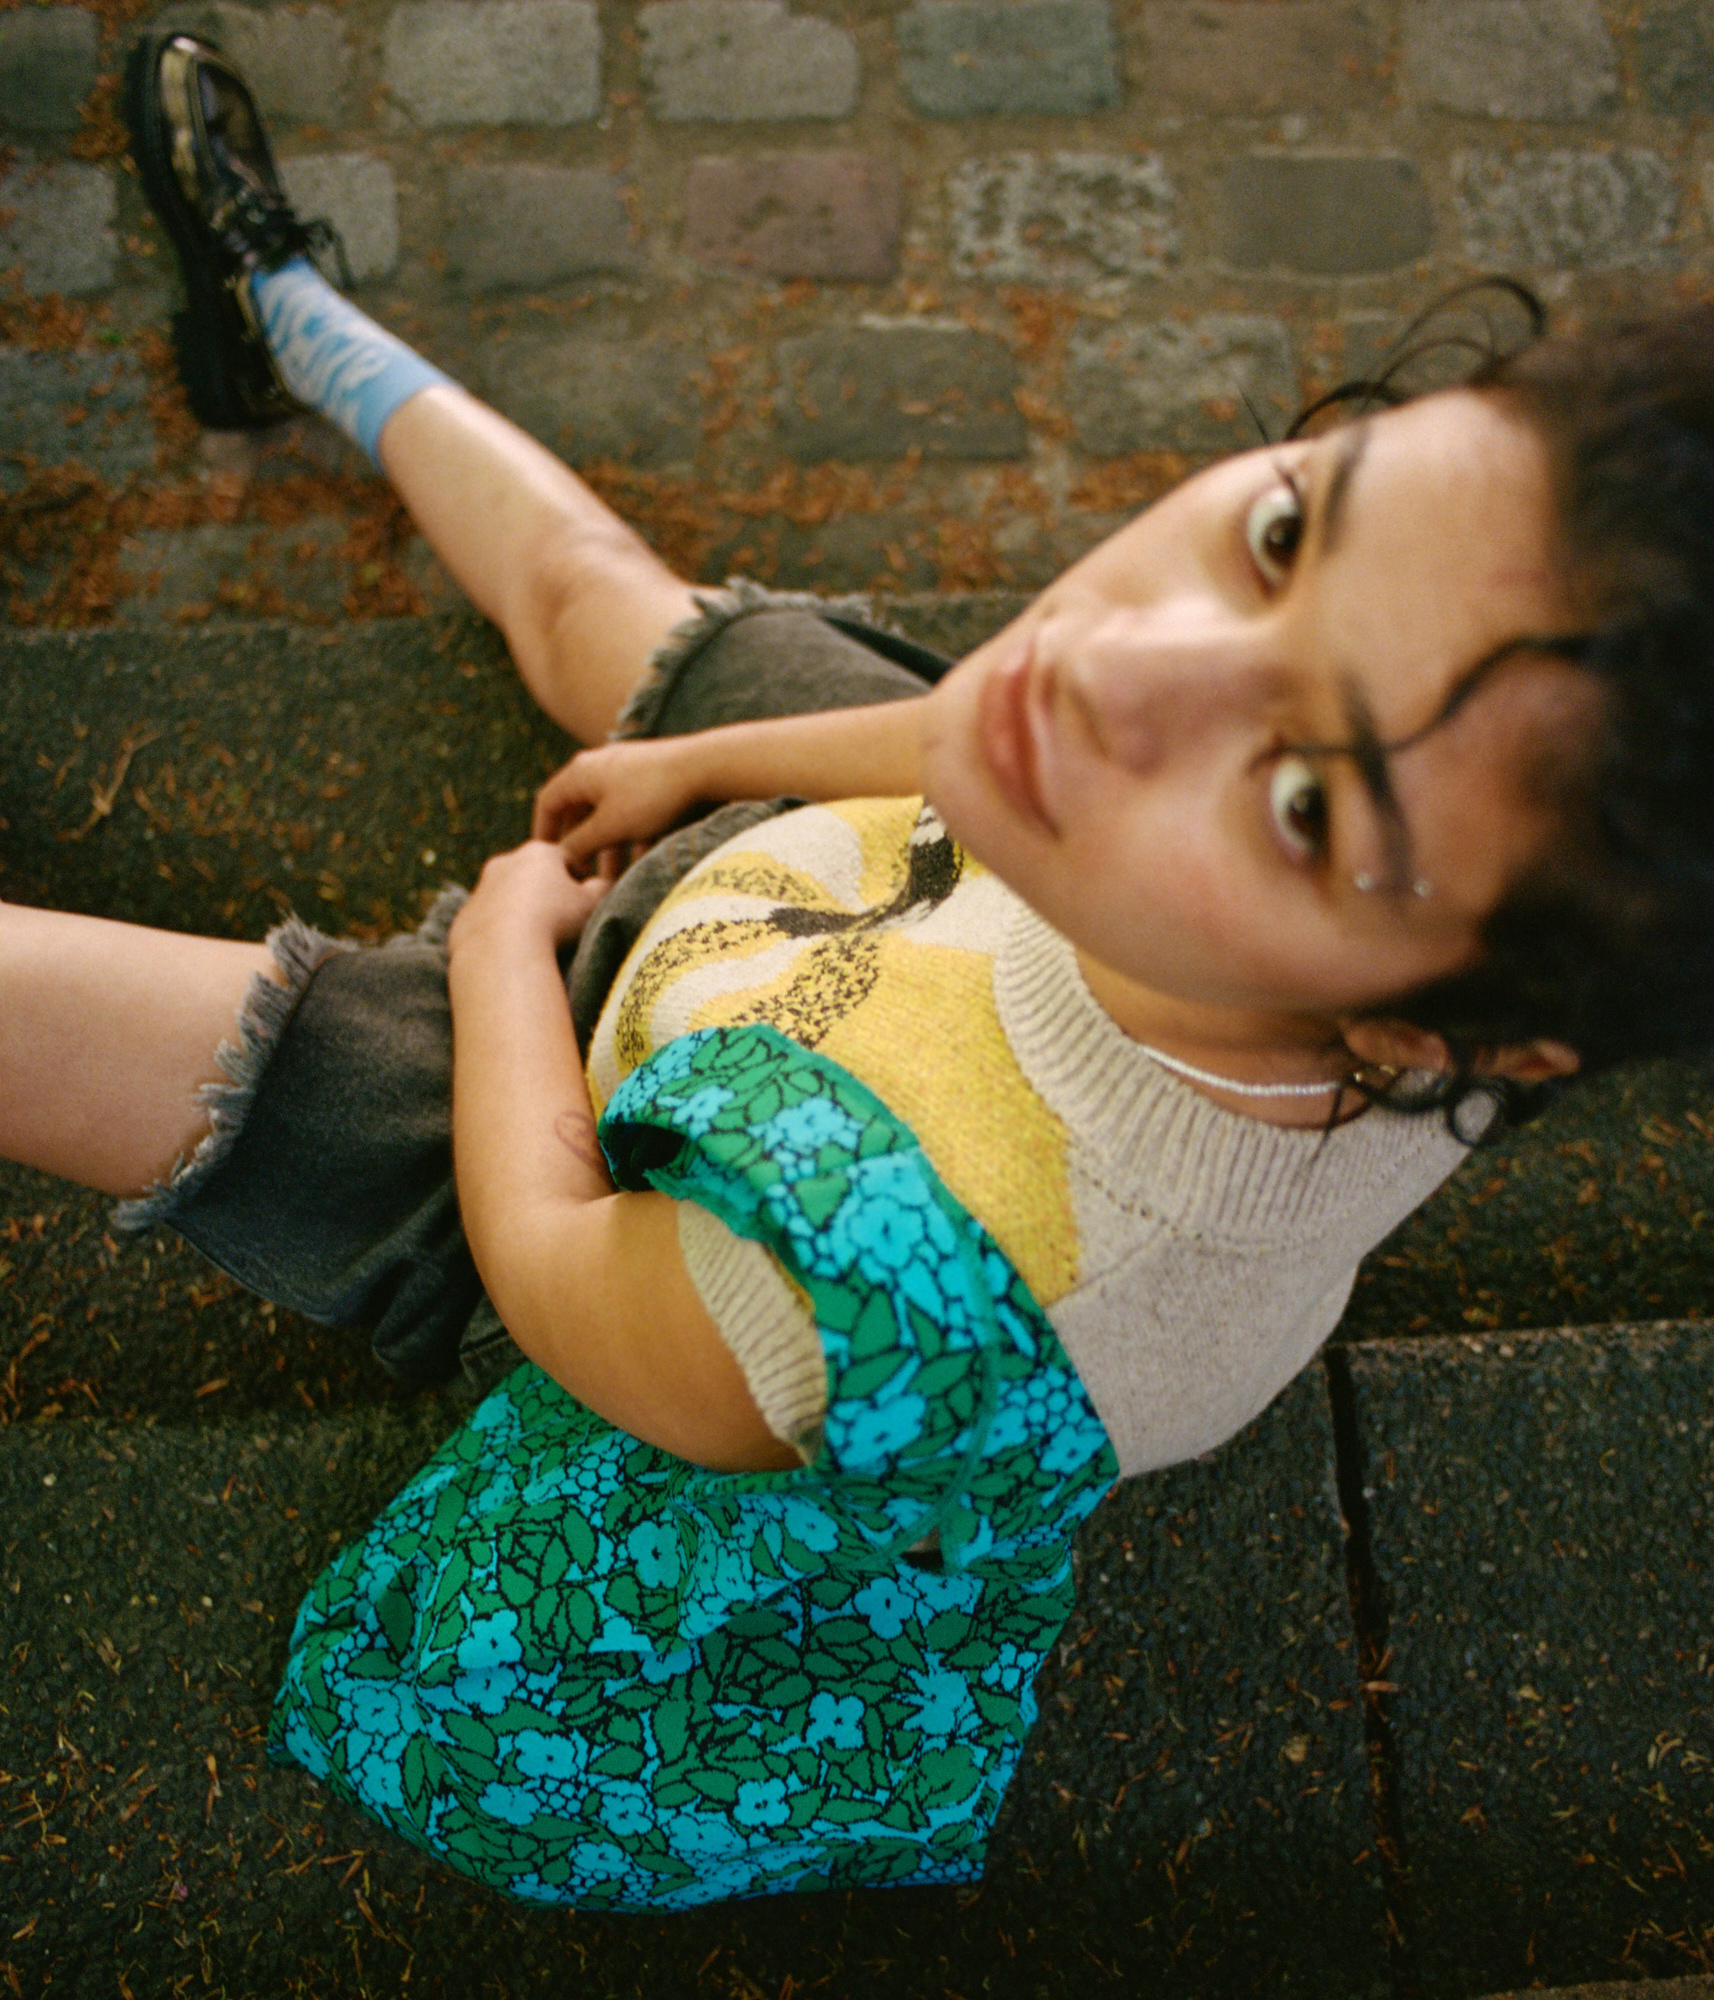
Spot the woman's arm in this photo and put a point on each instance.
(624, 792)
(589, 1283)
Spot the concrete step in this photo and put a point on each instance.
(1484, 1766)
(1193, 1813)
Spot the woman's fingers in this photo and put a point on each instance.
(560, 802)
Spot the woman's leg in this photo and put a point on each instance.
(582, 599)
(107, 1032)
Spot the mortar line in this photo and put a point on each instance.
(1369, 1621)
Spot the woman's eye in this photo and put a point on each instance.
(1274, 529)
(1298, 801)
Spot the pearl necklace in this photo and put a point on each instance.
(1195, 1075)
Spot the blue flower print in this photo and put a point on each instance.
(381, 1772)
(808, 1523)
(596, 1861)
(943, 1706)
(626, 1807)
(885, 1606)
(1009, 1668)
(947, 1590)
(512, 1803)
(798, 1135)
(655, 1551)
(836, 1720)
(762, 1802)
(876, 1431)
(538, 1755)
(699, 1113)
(490, 1641)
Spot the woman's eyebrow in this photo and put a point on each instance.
(1353, 441)
(1367, 752)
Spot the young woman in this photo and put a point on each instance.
(1013, 1120)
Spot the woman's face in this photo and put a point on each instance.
(1123, 754)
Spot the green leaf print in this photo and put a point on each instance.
(473, 1673)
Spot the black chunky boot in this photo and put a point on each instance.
(209, 173)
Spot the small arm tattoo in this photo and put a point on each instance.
(575, 1130)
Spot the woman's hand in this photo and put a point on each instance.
(527, 897)
(607, 799)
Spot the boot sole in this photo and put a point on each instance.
(214, 346)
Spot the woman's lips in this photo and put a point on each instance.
(1011, 721)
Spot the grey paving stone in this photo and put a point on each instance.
(1574, 210)
(795, 215)
(1510, 58)
(48, 62)
(1062, 218)
(62, 409)
(356, 193)
(1253, 56)
(493, 62)
(1675, 58)
(1010, 58)
(1322, 214)
(879, 391)
(1180, 385)
(1538, 1519)
(733, 61)
(599, 398)
(529, 225)
(297, 59)
(56, 225)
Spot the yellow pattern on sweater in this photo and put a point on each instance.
(902, 998)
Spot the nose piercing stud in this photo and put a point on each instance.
(1366, 884)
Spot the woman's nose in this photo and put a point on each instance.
(1158, 681)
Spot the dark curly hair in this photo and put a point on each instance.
(1607, 941)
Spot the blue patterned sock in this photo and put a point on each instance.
(334, 358)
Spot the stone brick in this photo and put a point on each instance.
(1323, 214)
(980, 58)
(1062, 218)
(524, 225)
(879, 391)
(48, 63)
(599, 398)
(795, 215)
(357, 194)
(731, 61)
(298, 61)
(494, 62)
(1561, 208)
(1510, 58)
(56, 409)
(1174, 385)
(1255, 56)
(1675, 59)
(56, 225)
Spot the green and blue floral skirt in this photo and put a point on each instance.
(583, 1671)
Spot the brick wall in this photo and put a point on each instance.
(843, 292)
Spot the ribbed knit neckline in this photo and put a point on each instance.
(1164, 1149)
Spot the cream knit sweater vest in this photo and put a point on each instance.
(1190, 1260)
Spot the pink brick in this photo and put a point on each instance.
(794, 215)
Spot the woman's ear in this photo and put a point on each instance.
(1393, 1044)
